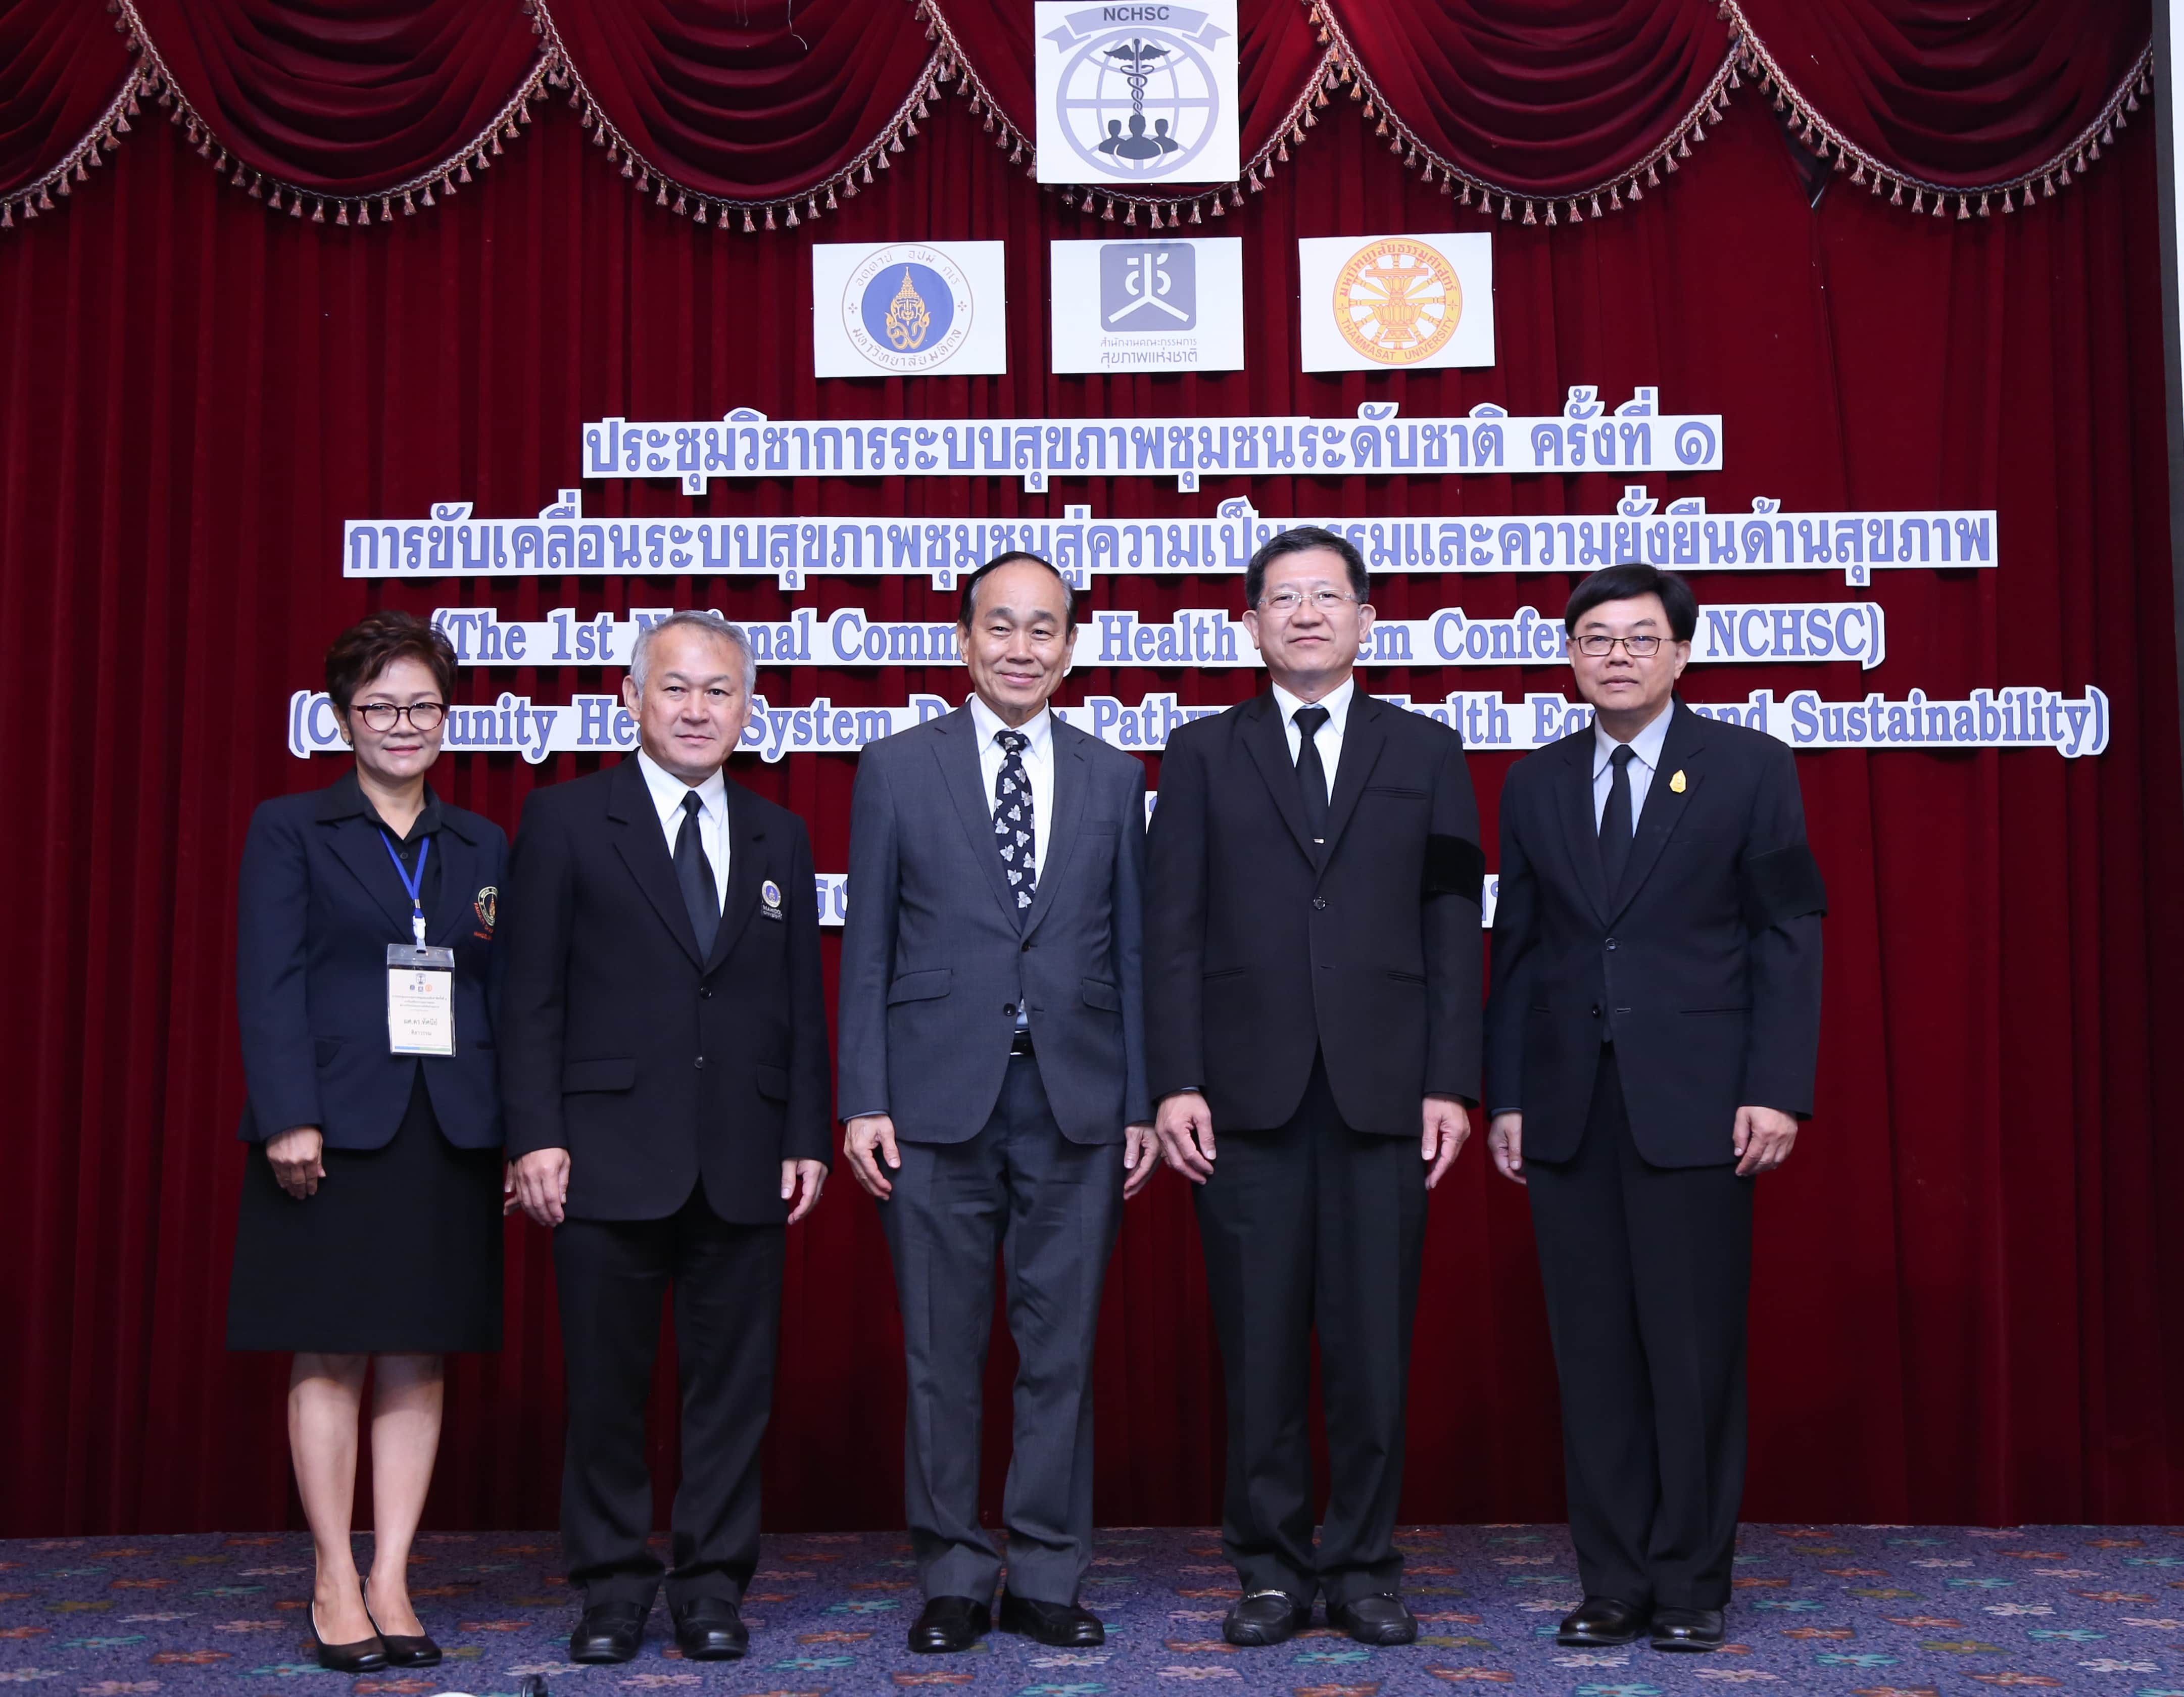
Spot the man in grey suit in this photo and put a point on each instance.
(993, 1077)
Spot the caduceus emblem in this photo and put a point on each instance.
(907, 316)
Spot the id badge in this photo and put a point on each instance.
(420, 999)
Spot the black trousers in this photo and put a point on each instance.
(1052, 1209)
(1648, 1271)
(1313, 1223)
(612, 1275)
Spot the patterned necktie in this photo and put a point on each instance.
(1615, 820)
(1312, 776)
(1014, 833)
(701, 896)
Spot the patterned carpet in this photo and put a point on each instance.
(1862, 1611)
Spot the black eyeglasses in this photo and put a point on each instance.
(383, 716)
(1638, 647)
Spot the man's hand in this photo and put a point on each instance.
(1141, 1154)
(1505, 1143)
(1763, 1139)
(295, 1159)
(811, 1174)
(870, 1139)
(538, 1184)
(1185, 1129)
(1447, 1125)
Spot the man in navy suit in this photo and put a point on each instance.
(664, 1075)
(993, 1081)
(1651, 1039)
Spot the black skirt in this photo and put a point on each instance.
(397, 1253)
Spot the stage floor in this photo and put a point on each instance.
(1865, 1611)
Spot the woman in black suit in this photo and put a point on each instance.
(369, 1232)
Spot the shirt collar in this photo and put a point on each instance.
(1039, 728)
(1336, 701)
(1646, 745)
(344, 798)
(668, 790)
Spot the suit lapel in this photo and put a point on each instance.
(643, 846)
(1581, 830)
(1269, 746)
(1680, 750)
(1070, 779)
(358, 845)
(958, 752)
(451, 913)
(746, 869)
(1363, 736)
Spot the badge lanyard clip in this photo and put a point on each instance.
(414, 885)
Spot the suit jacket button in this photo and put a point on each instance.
(1596, 1014)
(1319, 901)
(699, 1063)
(1010, 1009)
(704, 993)
(1611, 944)
(1027, 949)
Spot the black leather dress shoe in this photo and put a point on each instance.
(1601, 1622)
(709, 1629)
(948, 1626)
(1687, 1629)
(1266, 1617)
(1380, 1619)
(1066, 1626)
(609, 1632)
(365, 1656)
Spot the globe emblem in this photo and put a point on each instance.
(1138, 102)
(1397, 301)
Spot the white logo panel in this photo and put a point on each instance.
(1396, 303)
(1143, 95)
(1148, 306)
(908, 309)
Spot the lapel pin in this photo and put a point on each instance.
(1676, 785)
(770, 893)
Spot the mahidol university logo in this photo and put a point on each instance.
(1397, 301)
(907, 308)
(1136, 93)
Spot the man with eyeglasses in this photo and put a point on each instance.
(1652, 1042)
(1312, 1032)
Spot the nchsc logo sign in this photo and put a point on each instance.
(1139, 94)
(907, 308)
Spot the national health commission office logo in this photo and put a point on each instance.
(1397, 302)
(1141, 93)
(907, 308)
(1148, 306)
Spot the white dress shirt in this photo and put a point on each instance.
(1646, 749)
(1328, 741)
(1038, 767)
(668, 792)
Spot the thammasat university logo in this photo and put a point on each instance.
(907, 308)
(1136, 93)
(1397, 302)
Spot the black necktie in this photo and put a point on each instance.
(1015, 833)
(1311, 777)
(1615, 820)
(695, 872)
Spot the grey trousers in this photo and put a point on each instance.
(1051, 1209)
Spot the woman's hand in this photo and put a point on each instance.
(296, 1168)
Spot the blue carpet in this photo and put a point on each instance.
(1862, 1611)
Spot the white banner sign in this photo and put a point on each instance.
(2017, 717)
(908, 309)
(1148, 306)
(1142, 95)
(1396, 303)
(1852, 631)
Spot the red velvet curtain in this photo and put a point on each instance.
(1966, 1308)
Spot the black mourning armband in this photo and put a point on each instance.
(1455, 866)
(1785, 884)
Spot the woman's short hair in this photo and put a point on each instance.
(375, 642)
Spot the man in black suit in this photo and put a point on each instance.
(664, 1074)
(992, 1078)
(1312, 990)
(1652, 1041)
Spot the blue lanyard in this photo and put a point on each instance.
(415, 886)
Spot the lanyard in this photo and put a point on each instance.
(412, 884)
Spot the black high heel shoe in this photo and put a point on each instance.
(365, 1655)
(403, 1651)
